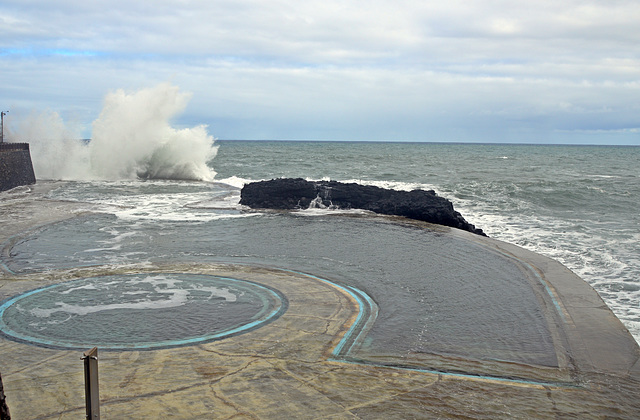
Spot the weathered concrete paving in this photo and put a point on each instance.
(284, 369)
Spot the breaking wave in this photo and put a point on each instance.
(131, 138)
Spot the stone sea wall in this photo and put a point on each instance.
(16, 168)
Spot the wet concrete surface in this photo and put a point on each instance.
(289, 367)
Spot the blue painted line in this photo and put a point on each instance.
(338, 349)
(542, 281)
(373, 314)
(339, 353)
(364, 299)
(527, 382)
(270, 316)
(358, 296)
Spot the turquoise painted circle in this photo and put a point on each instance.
(139, 311)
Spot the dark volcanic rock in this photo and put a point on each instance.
(288, 194)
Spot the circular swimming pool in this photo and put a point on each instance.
(139, 311)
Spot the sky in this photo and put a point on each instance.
(464, 71)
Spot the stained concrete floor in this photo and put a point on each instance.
(287, 368)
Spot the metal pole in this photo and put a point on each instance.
(2, 114)
(91, 384)
(4, 409)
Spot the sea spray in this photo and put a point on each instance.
(56, 151)
(132, 138)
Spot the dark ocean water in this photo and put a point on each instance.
(576, 204)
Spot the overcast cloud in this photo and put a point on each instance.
(489, 71)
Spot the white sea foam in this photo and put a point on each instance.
(393, 185)
(56, 152)
(85, 287)
(328, 211)
(111, 248)
(177, 299)
(132, 137)
(172, 292)
(235, 181)
(155, 200)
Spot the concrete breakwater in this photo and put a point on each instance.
(16, 168)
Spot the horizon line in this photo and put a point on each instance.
(429, 142)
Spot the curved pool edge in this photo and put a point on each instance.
(596, 339)
(62, 342)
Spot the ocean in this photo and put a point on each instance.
(575, 204)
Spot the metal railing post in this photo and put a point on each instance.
(4, 409)
(91, 394)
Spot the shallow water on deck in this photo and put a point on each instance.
(437, 294)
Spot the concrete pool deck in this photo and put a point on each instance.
(289, 369)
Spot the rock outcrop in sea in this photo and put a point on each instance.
(297, 193)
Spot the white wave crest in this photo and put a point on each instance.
(131, 138)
